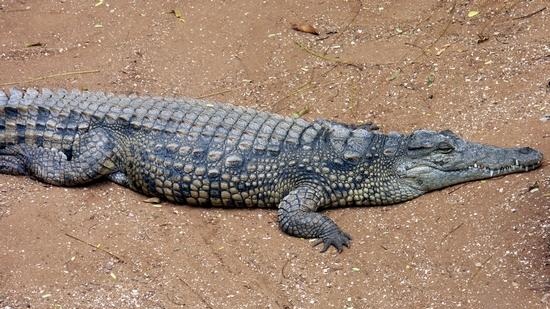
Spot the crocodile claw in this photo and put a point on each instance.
(335, 238)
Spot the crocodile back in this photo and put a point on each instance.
(54, 119)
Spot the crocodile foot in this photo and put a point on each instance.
(336, 238)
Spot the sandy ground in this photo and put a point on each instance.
(402, 64)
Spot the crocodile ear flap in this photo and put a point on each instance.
(448, 133)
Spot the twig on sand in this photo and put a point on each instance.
(2, 10)
(326, 58)
(96, 247)
(348, 25)
(50, 76)
(306, 86)
(424, 51)
(213, 94)
(203, 300)
(449, 22)
(481, 265)
(530, 14)
(283, 270)
(452, 231)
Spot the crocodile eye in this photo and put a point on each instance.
(445, 147)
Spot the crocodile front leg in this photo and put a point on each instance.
(93, 160)
(298, 217)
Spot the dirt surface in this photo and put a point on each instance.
(402, 64)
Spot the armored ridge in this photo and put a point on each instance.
(201, 153)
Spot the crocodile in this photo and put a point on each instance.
(202, 153)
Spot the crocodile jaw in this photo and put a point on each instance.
(480, 162)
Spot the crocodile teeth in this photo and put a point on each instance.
(492, 173)
(516, 162)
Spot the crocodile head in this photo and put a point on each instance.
(434, 160)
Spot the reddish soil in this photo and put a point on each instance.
(402, 64)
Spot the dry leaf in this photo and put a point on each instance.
(152, 200)
(482, 38)
(307, 28)
(394, 75)
(300, 113)
(430, 79)
(177, 13)
(37, 44)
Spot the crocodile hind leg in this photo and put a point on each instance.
(298, 217)
(93, 160)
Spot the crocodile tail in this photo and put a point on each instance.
(37, 118)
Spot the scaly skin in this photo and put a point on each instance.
(200, 153)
